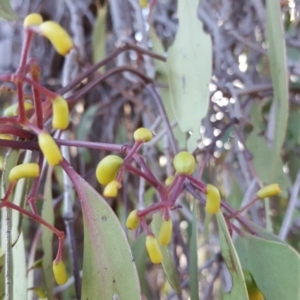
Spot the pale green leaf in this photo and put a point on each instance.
(47, 235)
(193, 268)
(99, 36)
(168, 262)
(238, 290)
(109, 271)
(6, 11)
(140, 255)
(162, 78)
(189, 70)
(275, 268)
(279, 72)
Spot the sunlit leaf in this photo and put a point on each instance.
(238, 290)
(109, 271)
(189, 71)
(168, 261)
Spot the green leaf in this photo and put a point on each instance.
(275, 268)
(264, 155)
(47, 235)
(99, 34)
(162, 78)
(19, 269)
(279, 72)
(189, 70)
(238, 290)
(6, 11)
(193, 268)
(168, 262)
(109, 271)
(140, 255)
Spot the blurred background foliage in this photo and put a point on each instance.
(249, 136)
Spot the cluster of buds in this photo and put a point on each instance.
(30, 116)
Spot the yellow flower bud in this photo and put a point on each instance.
(30, 170)
(4, 136)
(252, 289)
(143, 3)
(111, 190)
(58, 37)
(108, 169)
(49, 149)
(32, 20)
(132, 221)
(13, 110)
(1, 163)
(142, 135)
(213, 199)
(60, 119)
(153, 250)
(59, 271)
(269, 191)
(40, 293)
(184, 163)
(169, 180)
(165, 233)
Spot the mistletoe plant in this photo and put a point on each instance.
(25, 126)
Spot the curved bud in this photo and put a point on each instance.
(165, 233)
(32, 20)
(13, 110)
(30, 170)
(58, 37)
(49, 149)
(213, 199)
(108, 168)
(153, 250)
(111, 190)
(60, 119)
(4, 136)
(142, 135)
(59, 271)
(184, 163)
(169, 180)
(143, 3)
(269, 191)
(132, 221)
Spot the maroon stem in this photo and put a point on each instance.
(154, 207)
(234, 215)
(39, 219)
(198, 184)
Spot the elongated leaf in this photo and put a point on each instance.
(99, 41)
(279, 72)
(139, 253)
(168, 262)
(238, 290)
(6, 11)
(109, 271)
(162, 77)
(275, 268)
(194, 283)
(189, 71)
(47, 236)
(19, 269)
